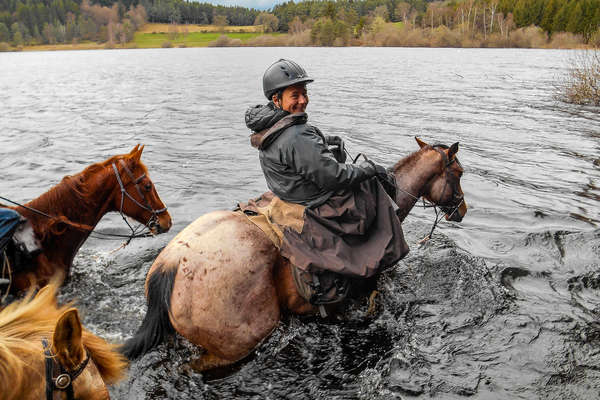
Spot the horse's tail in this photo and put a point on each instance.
(156, 326)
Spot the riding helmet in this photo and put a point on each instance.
(282, 74)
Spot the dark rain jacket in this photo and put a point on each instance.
(295, 159)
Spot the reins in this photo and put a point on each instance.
(426, 203)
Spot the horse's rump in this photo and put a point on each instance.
(224, 292)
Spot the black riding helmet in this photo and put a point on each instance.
(282, 74)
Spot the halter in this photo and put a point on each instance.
(134, 232)
(64, 380)
(153, 221)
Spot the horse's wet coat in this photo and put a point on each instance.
(223, 295)
(231, 284)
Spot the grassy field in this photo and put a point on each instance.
(193, 39)
(76, 46)
(166, 28)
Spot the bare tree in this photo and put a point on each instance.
(269, 22)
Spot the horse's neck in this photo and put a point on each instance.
(82, 201)
(79, 201)
(411, 178)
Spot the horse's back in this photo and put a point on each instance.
(223, 297)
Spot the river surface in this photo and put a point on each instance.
(504, 305)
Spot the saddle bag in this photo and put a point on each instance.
(25, 240)
(322, 287)
(18, 242)
(9, 222)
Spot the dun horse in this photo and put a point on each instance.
(63, 217)
(44, 351)
(222, 284)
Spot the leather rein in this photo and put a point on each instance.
(64, 380)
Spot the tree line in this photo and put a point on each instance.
(67, 21)
(353, 17)
(328, 22)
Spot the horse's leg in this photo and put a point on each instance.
(37, 274)
(287, 295)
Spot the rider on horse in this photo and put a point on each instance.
(349, 222)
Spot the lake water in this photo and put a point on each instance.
(504, 305)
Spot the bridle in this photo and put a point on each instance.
(64, 380)
(153, 221)
(135, 233)
(448, 209)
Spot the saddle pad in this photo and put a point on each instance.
(273, 215)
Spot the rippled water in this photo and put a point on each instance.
(503, 305)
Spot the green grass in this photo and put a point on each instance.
(192, 39)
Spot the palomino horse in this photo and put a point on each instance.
(44, 351)
(222, 284)
(64, 217)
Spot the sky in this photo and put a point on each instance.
(258, 4)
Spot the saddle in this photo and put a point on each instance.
(272, 216)
(18, 243)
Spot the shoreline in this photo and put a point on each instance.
(132, 46)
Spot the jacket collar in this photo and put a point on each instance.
(261, 140)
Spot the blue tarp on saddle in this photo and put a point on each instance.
(9, 221)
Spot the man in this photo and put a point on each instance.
(350, 226)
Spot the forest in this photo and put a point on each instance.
(342, 22)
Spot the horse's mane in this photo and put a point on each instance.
(74, 192)
(409, 160)
(24, 323)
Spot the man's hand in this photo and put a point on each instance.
(337, 147)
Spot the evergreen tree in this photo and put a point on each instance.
(550, 10)
(4, 33)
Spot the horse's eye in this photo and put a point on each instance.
(148, 187)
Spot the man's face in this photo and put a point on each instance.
(294, 99)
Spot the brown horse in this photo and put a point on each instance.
(64, 217)
(41, 340)
(222, 284)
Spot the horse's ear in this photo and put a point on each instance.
(48, 292)
(453, 150)
(138, 154)
(67, 343)
(134, 150)
(420, 142)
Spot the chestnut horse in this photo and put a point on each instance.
(64, 217)
(222, 284)
(44, 351)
